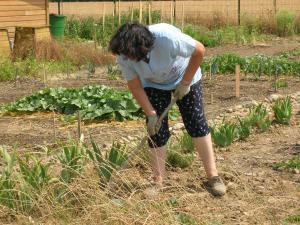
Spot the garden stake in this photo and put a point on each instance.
(119, 13)
(141, 12)
(131, 17)
(182, 17)
(103, 18)
(78, 124)
(237, 80)
(143, 141)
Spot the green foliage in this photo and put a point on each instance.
(293, 219)
(280, 84)
(283, 110)
(113, 160)
(186, 143)
(174, 113)
(72, 160)
(244, 128)
(88, 27)
(205, 37)
(293, 163)
(224, 135)
(185, 219)
(259, 117)
(257, 64)
(285, 22)
(94, 103)
(31, 67)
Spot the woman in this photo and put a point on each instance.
(157, 61)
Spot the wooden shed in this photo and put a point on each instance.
(23, 13)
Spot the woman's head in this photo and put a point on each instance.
(133, 40)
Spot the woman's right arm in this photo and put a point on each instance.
(138, 92)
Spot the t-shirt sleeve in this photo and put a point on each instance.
(127, 71)
(182, 45)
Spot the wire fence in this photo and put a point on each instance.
(184, 11)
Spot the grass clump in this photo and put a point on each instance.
(285, 22)
(283, 110)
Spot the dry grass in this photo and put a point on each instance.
(78, 53)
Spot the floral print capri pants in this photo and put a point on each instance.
(191, 110)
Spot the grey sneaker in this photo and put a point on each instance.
(216, 186)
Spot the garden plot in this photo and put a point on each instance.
(52, 176)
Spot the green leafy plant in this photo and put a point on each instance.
(293, 163)
(244, 128)
(94, 103)
(224, 135)
(259, 117)
(185, 219)
(112, 160)
(283, 110)
(72, 161)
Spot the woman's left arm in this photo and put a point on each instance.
(194, 63)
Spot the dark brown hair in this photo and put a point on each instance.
(133, 40)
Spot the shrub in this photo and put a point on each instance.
(259, 117)
(285, 23)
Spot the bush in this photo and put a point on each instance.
(283, 110)
(285, 23)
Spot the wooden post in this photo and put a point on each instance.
(44, 75)
(103, 17)
(174, 10)
(182, 16)
(275, 6)
(54, 126)
(276, 77)
(113, 20)
(162, 11)
(239, 12)
(78, 124)
(131, 19)
(141, 12)
(237, 80)
(119, 12)
(171, 11)
(149, 13)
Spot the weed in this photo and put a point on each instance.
(283, 110)
(178, 159)
(293, 163)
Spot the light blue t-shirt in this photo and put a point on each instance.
(168, 59)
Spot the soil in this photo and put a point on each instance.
(257, 194)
